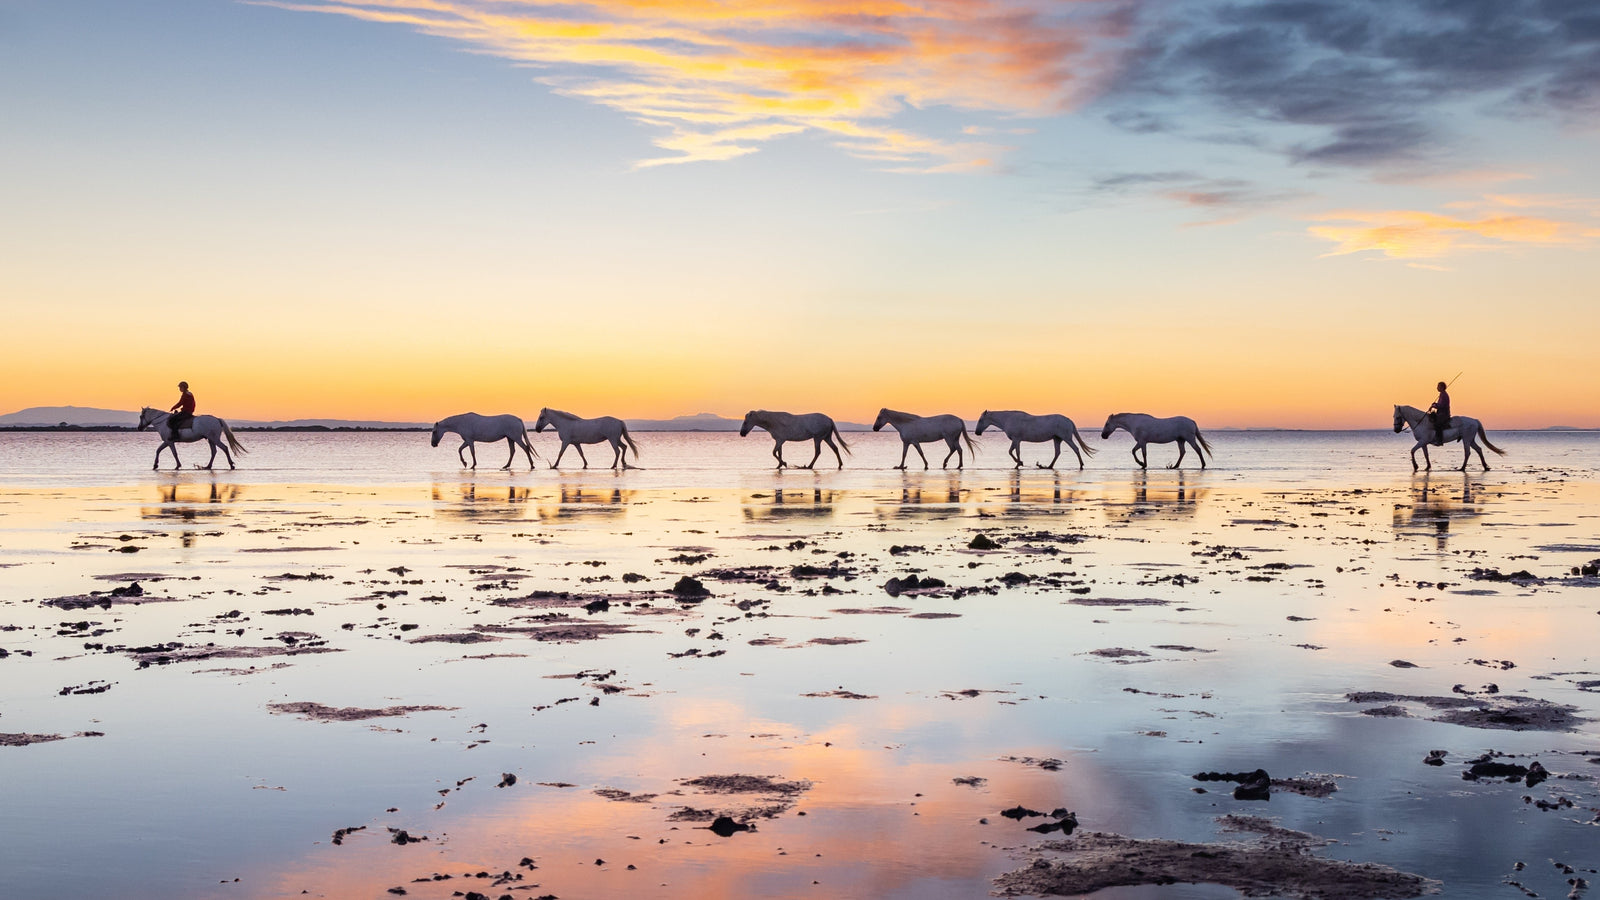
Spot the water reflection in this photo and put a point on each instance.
(470, 501)
(192, 500)
(1435, 503)
(587, 501)
(922, 495)
(781, 504)
(1174, 495)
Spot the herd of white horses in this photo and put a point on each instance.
(914, 430)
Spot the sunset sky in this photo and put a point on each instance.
(1293, 213)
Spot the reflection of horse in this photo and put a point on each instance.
(1019, 427)
(184, 501)
(576, 431)
(1434, 506)
(814, 427)
(1147, 429)
(1463, 429)
(1164, 498)
(471, 428)
(781, 504)
(918, 430)
(210, 429)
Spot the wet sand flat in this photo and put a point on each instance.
(680, 683)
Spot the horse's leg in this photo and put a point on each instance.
(1053, 458)
(616, 454)
(213, 460)
(527, 448)
(954, 449)
(1481, 460)
(1414, 455)
(176, 462)
(581, 456)
(461, 452)
(816, 447)
(905, 445)
(1198, 452)
(1075, 452)
(1426, 458)
(157, 464)
(777, 453)
(511, 444)
(472, 448)
(1137, 446)
(1016, 452)
(921, 454)
(560, 453)
(835, 449)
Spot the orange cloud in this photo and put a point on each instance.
(1495, 223)
(721, 78)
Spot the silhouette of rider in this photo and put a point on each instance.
(1439, 413)
(182, 411)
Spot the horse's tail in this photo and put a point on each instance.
(1204, 444)
(1086, 448)
(532, 449)
(971, 447)
(1485, 435)
(236, 447)
(631, 445)
(846, 447)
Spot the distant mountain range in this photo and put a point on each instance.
(91, 417)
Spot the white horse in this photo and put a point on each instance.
(814, 427)
(1462, 428)
(1019, 427)
(1148, 429)
(472, 428)
(575, 431)
(203, 428)
(918, 430)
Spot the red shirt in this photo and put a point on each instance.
(186, 403)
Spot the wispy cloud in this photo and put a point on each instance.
(719, 78)
(1495, 223)
(1221, 200)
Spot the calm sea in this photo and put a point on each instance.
(702, 459)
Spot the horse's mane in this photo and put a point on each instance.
(896, 416)
(560, 413)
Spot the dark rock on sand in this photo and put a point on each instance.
(1277, 866)
(320, 713)
(894, 587)
(982, 542)
(723, 826)
(690, 590)
(1020, 812)
(1255, 785)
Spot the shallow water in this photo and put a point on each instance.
(194, 781)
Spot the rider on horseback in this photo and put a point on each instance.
(183, 410)
(1439, 413)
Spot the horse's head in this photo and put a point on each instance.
(883, 419)
(544, 420)
(749, 422)
(1399, 420)
(147, 417)
(438, 432)
(984, 421)
(1112, 422)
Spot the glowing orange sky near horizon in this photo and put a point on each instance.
(499, 229)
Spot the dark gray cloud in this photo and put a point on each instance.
(1368, 80)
